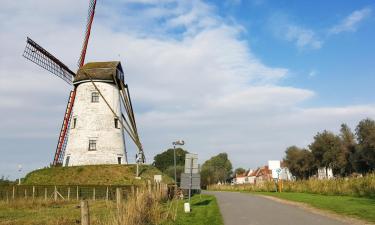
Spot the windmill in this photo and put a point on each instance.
(94, 124)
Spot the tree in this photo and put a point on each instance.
(217, 168)
(348, 148)
(365, 155)
(325, 149)
(239, 171)
(179, 169)
(165, 159)
(300, 162)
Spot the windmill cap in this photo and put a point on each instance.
(102, 71)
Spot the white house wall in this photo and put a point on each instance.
(95, 121)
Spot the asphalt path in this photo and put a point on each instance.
(246, 209)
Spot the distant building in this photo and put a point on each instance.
(325, 173)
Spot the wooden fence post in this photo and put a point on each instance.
(45, 194)
(77, 194)
(106, 194)
(55, 194)
(33, 192)
(14, 192)
(149, 186)
(25, 192)
(118, 196)
(93, 194)
(68, 193)
(85, 214)
(118, 200)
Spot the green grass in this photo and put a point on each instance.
(51, 213)
(93, 175)
(361, 208)
(205, 211)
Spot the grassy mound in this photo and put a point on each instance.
(93, 175)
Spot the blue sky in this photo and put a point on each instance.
(246, 77)
(342, 67)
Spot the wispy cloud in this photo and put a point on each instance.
(351, 22)
(302, 37)
(313, 73)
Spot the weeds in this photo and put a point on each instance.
(358, 187)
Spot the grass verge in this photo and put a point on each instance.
(361, 208)
(205, 211)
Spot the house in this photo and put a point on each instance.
(261, 174)
(325, 173)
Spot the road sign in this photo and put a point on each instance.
(191, 162)
(195, 180)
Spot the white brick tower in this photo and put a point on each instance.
(95, 135)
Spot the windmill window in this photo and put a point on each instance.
(74, 122)
(119, 160)
(92, 145)
(94, 97)
(117, 123)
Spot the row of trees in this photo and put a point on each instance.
(345, 153)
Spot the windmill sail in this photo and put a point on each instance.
(90, 19)
(38, 55)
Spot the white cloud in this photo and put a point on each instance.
(201, 83)
(351, 22)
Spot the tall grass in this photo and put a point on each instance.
(358, 187)
(146, 208)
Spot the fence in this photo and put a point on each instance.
(74, 192)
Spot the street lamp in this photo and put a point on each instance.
(19, 171)
(179, 142)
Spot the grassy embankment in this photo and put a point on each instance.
(93, 175)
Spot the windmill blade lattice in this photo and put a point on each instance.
(90, 19)
(38, 55)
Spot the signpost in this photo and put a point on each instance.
(191, 178)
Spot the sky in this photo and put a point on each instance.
(246, 77)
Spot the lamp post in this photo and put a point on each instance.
(19, 171)
(179, 142)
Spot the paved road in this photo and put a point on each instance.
(245, 209)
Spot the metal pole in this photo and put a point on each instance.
(191, 177)
(174, 157)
